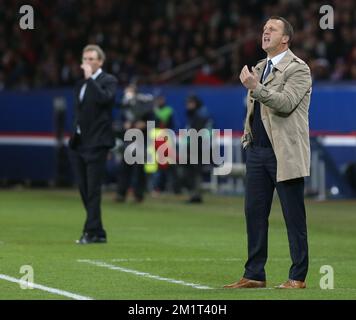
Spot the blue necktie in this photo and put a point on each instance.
(259, 133)
(268, 70)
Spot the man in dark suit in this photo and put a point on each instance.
(92, 137)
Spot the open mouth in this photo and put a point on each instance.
(266, 40)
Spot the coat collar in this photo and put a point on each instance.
(285, 61)
(97, 73)
(281, 65)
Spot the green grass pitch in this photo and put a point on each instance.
(164, 238)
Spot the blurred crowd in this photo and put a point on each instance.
(144, 40)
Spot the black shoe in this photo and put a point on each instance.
(87, 239)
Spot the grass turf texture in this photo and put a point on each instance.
(192, 243)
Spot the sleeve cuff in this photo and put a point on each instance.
(256, 93)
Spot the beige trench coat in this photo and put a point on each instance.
(284, 97)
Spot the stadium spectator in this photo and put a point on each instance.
(197, 119)
(144, 40)
(165, 178)
(136, 110)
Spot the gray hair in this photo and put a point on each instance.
(97, 49)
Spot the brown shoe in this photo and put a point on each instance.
(246, 284)
(292, 284)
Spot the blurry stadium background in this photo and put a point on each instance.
(170, 48)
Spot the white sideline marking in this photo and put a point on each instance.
(173, 260)
(198, 260)
(143, 274)
(44, 288)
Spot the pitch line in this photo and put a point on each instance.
(44, 288)
(174, 260)
(143, 274)
(198, 259)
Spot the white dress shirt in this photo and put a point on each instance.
(275, 60)
(83, 88)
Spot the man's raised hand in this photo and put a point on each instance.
(249, 79)
(88, 71)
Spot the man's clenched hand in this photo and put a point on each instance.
(248, 79)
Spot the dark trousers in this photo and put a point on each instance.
(131, 175)
(193, 177)
(89, 167)
(260, 184)
(165, 179)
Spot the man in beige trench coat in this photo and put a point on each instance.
(276, 140)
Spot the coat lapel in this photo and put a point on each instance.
(280, 66)
(79, 88)
(270, 77)
(286, 60)
(260, 67)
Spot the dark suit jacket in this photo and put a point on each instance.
(94, 113)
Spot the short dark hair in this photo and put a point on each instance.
(288, 29)
(195, 99)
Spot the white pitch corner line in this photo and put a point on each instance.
(143, 274)
(44, 288)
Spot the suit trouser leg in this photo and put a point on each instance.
(79, 168)
(291, 195)
(258, 201)
(95, 169)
